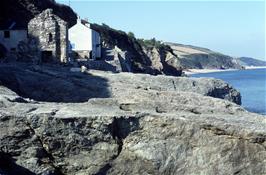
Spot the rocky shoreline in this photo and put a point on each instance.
(105, 123)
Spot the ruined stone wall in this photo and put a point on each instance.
(63, 41)
(50, 32)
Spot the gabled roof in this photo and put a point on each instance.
(87, 24)
(84, 22)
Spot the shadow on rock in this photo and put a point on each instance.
(8, 166)
(52, 83)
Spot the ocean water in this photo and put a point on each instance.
(250, 83)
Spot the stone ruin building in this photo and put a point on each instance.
(49, 34)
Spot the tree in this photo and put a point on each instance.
(131, 35)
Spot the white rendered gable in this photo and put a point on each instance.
(80, 37)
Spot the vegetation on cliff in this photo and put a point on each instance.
(139, 51)
(154, 56)
(112, 38)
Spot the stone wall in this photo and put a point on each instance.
(51, 35)
(80, 54)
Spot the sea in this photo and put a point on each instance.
(251, 83)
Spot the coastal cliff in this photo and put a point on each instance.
(247, 61)
(156, 125)
(192, 57)
(125, 53)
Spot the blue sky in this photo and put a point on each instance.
(234, 28)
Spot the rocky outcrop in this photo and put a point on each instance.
(124, 53)
(51, 85)
(57, 84)
(163, 60)
(144, 125)
(22, 11)
(154, 57)
(116, 39)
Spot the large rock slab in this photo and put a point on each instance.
(145, 127)
(58, 84)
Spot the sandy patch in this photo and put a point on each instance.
(202, 71)
(186, 50)
(255, 67)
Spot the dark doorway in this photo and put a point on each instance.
(7, 34)
(47, 56)
(90, 54)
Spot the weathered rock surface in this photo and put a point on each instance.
(57, 84)
(144, 125)
(128, 55)
(166, 58)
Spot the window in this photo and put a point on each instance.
(50, 37)
(7, 34)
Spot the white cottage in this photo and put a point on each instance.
(85, 41)
(11, 34)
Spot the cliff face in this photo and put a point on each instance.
(156, 125)
(135, 56)
(22, 11)
(247, 61)
(131, 56)
(192, 57)
(154, 57)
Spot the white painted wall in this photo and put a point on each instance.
(82, 38)
(15, 37)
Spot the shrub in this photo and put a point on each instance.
(131, 35)
(152, 43)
